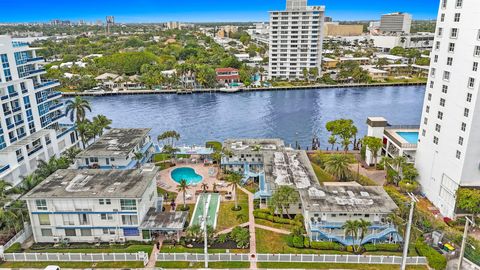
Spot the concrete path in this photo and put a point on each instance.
(231, 228)
(275, 230)
(251, 227)
(153, 257)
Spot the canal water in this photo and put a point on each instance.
(295, 115)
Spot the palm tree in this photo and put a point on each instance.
(337, 165)
(204, 187)
(234, 179)
(138, 157)
(332, 140)
(351, 229)
(29, 182)
(85, 131)
(71, 153)
(182, 187)
(76, 109)
(170, 150)
(101, 122)
(363, 225)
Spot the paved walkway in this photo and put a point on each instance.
(153, 257)
(275, 230)
(231, 228)
(251, 227)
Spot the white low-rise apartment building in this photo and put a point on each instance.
(448, 154)
(99, 206)
(116, 150)
(296, 40)
(30, 113)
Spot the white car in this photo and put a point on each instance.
(52, 267)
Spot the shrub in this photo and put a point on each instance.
(306, 242)
(298, 241)
(435, 259)
(15, 248)
(382, 247)
(408, 186)
(289, 240)
(326, 245)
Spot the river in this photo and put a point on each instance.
(294, 115)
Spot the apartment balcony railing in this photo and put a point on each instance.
(19, 123)
(16, 109)
(18, 44)
(46, 83)
(54, 94)
(4, 168)
(35, 59)
(65, 129)
(36, 71)
(10, 126)
(35, 150)
(54, 107)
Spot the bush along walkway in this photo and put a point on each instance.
(251, 227)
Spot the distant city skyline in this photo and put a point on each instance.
(150, 11)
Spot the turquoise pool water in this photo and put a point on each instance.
(186, 173)
(410, 137)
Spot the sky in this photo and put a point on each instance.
(128, 11)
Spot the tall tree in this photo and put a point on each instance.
(337, 165)
(374, 145)
(76, 109)
(234, 179)
(182, 187)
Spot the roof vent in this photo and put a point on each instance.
(364, 194)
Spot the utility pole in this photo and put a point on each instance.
(464, 241)
(406, 241)
(205, 232)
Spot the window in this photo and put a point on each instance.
(108, 231)
(68, 219)
(46, 232)
(44, 219)
(432, 73)
(435, 140)
(94, 159)
(469, 97)
(106, 216)
(41, 204)
(442, 102)
(444, 89)
(446, 75)
(476, 51)
(471, 82)
(70, 232)
(463, 127)
(475, 66)
(451, 47)
(435, 59)
(438, 127)
(424, 132)
(425, 120)
(429, 97)
(427, 109)
(440, 32)
(440, 115)
(466, 112)
(459, 154)
(86, 232)
(449, 61)
(127, 204)
(456, 18)
(129, 220)
(478, 34)
(432, 83)
(460, 140)
(437, 45)
(459, 4)
(444, 4)
(442, 17)
(454, 33)
(104, 201)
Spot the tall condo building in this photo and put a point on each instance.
(31, 110)
(296, 39)
(448, 155)
(397, 22)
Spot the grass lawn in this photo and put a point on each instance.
(228, 218)
(322, 175)
(162, 191)
(268, 223)
(214, 265)
(181, 249)
(162, 157)
(116, 249)
(270, 242)
(284, 265)
(42, 265)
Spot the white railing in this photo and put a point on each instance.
(315, 258)
(75, 257)
(20, 237)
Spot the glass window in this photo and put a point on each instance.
(128, 204)
(106, 216)
(442, 102)
(41, 204)
(476, 51)
(46, 232)
(459, 154)
(469, 97)
(451, 47)
(460, 140)
(129, 220)
(463, 127)
(435, 140)
(466, 112)
(440, 115)
(457, 17)
(459, 4)
(471, 82)
(70, 232)
(44, 219)
(475, 66)
(85, 232)
(444, 89)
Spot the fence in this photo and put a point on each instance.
(75, 257)
(305, 258)
(20, 237)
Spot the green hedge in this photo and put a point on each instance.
(327, 246)
(262, 214)
(15, 248)
(435, 259)
(382, 247)
(216, 146)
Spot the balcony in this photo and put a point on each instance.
(36, 71)
(38, 148)
(54, 94)
(10, 126)
(18, 44)
(14, 94)
(19, 123)
(46, 83)
(4, 168)
(65, 129)
(35, 59)
(16, 109)
(54, 107)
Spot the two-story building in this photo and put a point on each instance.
(99, 206)
(117, 149)
(227, 75)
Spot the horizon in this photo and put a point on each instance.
(205, 11)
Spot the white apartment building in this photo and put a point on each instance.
(296, 40)
(116, 150)
(30, 113)
(397, 22)
(99, 206)
(448, 154)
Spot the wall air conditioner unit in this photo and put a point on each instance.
(97, 239)
(57, 239)
(112, 240)
(121, 239)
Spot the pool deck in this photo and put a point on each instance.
(165, 181)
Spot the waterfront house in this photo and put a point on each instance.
(117, 149)
(99, 206)
(227, 75)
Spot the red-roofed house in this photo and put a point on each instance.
(227, 75)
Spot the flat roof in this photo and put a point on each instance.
(347, 199)
(253, 144)
(72, 183)
(164, 221)
(117, 142)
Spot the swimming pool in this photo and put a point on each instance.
(410, 137)
(186, 173)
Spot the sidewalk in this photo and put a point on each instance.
(251, 227)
